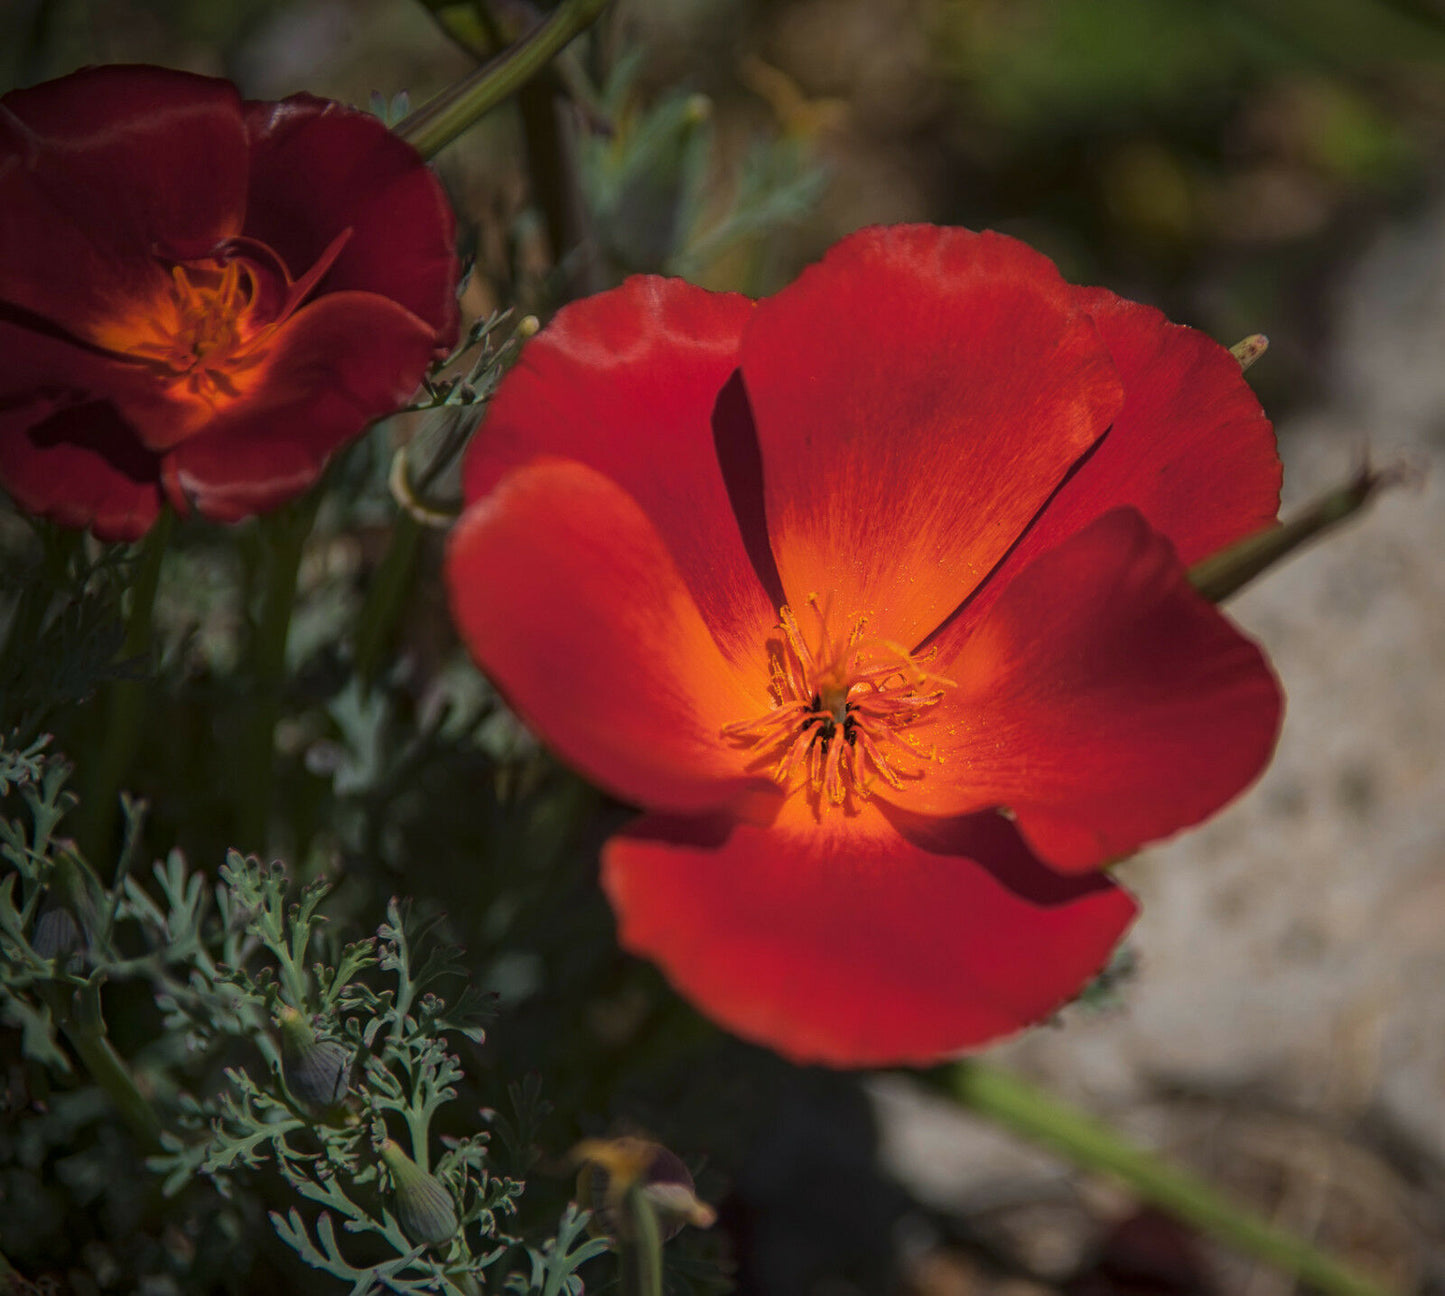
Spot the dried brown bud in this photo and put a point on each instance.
(611, 1167)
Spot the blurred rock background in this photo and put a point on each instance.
(1250, 166)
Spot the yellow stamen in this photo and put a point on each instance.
(837, 707)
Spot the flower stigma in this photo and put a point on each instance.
(841, 711)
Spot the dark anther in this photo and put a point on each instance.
(823, 731)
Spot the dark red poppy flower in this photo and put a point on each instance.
(201, 298)
(873, 595)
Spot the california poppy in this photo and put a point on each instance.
(201, 298)
(873, 595)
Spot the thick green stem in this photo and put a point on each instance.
(285, 535)
(437, 123)
(1224, 573)
(124, 705)
(84, 1026)
(1091, 1145)
(386, 597)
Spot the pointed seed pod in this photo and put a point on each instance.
(316, 1070)
(424, 1208)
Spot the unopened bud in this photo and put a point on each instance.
(316, 1070)
(424, 1207)
(56, 934)
(612, 1167)
(1248, 350)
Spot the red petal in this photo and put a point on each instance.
(918, 395)
(569, 600)
(1191, 449)
(80, 466)
(334, 366)
(318, 168)
(66, 452)
(629, 382)
(1101, 699)
(103, 171)
(840, 941)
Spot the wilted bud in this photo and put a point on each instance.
(316, 1070)
(424, 1207)
(56, 934)
(612, 1167)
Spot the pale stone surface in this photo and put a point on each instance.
(1294, 947)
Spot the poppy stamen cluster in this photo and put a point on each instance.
(838, 712)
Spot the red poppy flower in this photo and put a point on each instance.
(200, 297)
(873, 595)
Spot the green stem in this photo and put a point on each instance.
(84, 1026)
(1092, 1145)
(640, 1256)
(284, 538)
(386, 597)
(461, 1282)
(293, 979)
(1224, 573)
(124, 704)
(438, 122)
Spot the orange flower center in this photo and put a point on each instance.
(841, 711)
(199, 332)
(204, 328)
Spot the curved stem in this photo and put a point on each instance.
(437, 123)
(1090, 1144)
(124, 703)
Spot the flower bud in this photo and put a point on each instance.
(610, 1167)
(424, 1207)
(56, 934)
(316, 1070)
